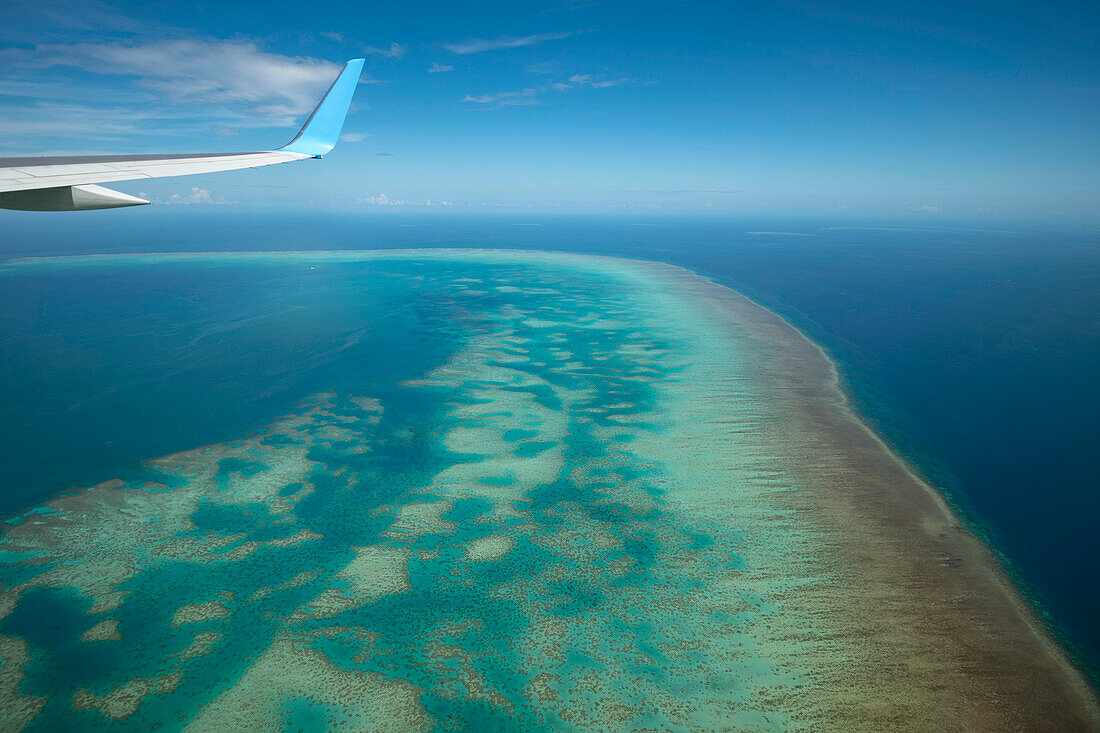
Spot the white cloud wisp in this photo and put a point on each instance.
(199, 71)
(528, 96)
(480, 45)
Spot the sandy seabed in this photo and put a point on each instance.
(639, 501)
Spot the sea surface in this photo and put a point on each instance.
(974, 351)
(497, 493)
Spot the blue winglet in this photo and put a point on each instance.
(321, 131)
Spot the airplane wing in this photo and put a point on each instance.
(68, 183)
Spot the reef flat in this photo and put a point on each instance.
(627, 498)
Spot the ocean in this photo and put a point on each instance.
(973, 351)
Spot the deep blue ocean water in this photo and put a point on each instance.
(975, 352)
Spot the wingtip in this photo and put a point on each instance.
(321, 131)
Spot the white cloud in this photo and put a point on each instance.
(199, 71)
(46, 89)
(198, 196)
(523, 96)
(395, 51)
(54, 119)
(438, 68)
(479, 45)
(352, 137)
(528, 95)
(384, 200)
(333, 36)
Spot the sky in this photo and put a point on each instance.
(905, 109)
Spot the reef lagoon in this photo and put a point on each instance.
(481, 490)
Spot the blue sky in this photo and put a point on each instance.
(921, 109)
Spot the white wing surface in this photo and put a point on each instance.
(67, 183)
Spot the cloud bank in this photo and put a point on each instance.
(384, 200)
(197, 197)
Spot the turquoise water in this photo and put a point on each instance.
(972, 346)
(459, 520)
(972, 349)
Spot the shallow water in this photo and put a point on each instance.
(463, 519)
(909, 313)
(971, 347)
